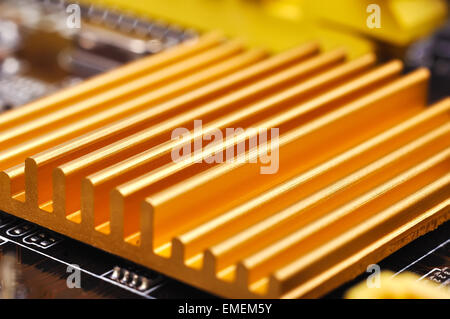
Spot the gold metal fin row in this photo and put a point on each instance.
(363, 165)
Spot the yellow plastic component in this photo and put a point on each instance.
(402, 21)
(403, 286)
(249, 21)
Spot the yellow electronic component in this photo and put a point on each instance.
(246, 20)
(280, 24)
(401, 21)
(363, 165)
(403, 286)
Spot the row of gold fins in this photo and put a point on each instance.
(364, 165)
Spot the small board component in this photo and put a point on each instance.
(103, 41)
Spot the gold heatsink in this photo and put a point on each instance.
(364, 165)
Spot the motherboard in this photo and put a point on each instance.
(348, 166)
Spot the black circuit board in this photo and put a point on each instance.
(428, 256)
(42, 262)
